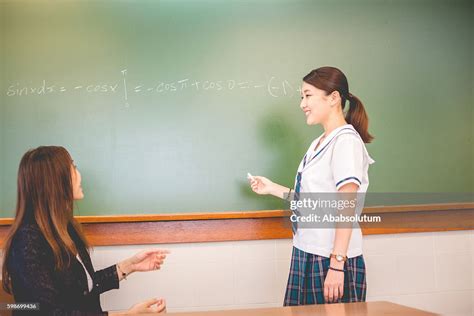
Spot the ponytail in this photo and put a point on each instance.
(332, 79)
(357, 117)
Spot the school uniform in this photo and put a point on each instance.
(340, 159)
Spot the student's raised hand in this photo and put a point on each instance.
(154, 305)
(146, 260)
(261, 185)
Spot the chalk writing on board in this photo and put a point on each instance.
(124, 73)
(272, 87)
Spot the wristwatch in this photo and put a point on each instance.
(339, 258)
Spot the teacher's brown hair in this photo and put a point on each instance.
(45, 194)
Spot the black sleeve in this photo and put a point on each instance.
(32, 269)
(106, 279)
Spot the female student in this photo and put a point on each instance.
(46, 255)
(327, 264)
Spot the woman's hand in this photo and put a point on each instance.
(146, 260)
(261, 185)
(333, 286)
(154, 305)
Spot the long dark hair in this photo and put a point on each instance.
(45, 196)
(332, 79)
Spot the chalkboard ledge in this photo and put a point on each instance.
(256, 225)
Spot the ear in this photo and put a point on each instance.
(334, 98)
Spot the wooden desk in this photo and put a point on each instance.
(354, 309)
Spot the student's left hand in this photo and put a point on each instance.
(146, 260)
(333, 286)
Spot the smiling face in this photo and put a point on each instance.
(316, 105)
(76, 183)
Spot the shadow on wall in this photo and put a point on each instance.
(279, 134)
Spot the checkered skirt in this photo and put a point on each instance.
(308, 272)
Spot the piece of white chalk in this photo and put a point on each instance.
(249, 176)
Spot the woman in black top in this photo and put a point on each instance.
(46, 256)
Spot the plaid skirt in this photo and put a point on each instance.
(308, 272)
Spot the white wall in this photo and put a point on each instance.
(430, 271)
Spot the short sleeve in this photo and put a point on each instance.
(347, 161)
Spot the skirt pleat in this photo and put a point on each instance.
(308, 272)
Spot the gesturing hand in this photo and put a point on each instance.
(146, 260)
(151, 306)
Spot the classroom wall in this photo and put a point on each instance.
(430, 271)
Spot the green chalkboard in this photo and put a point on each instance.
(166, 105)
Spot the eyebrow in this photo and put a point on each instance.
(306, 90)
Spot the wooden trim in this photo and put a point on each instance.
(256, 225)
(253, 214)
(418, 208)
(171, 217)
